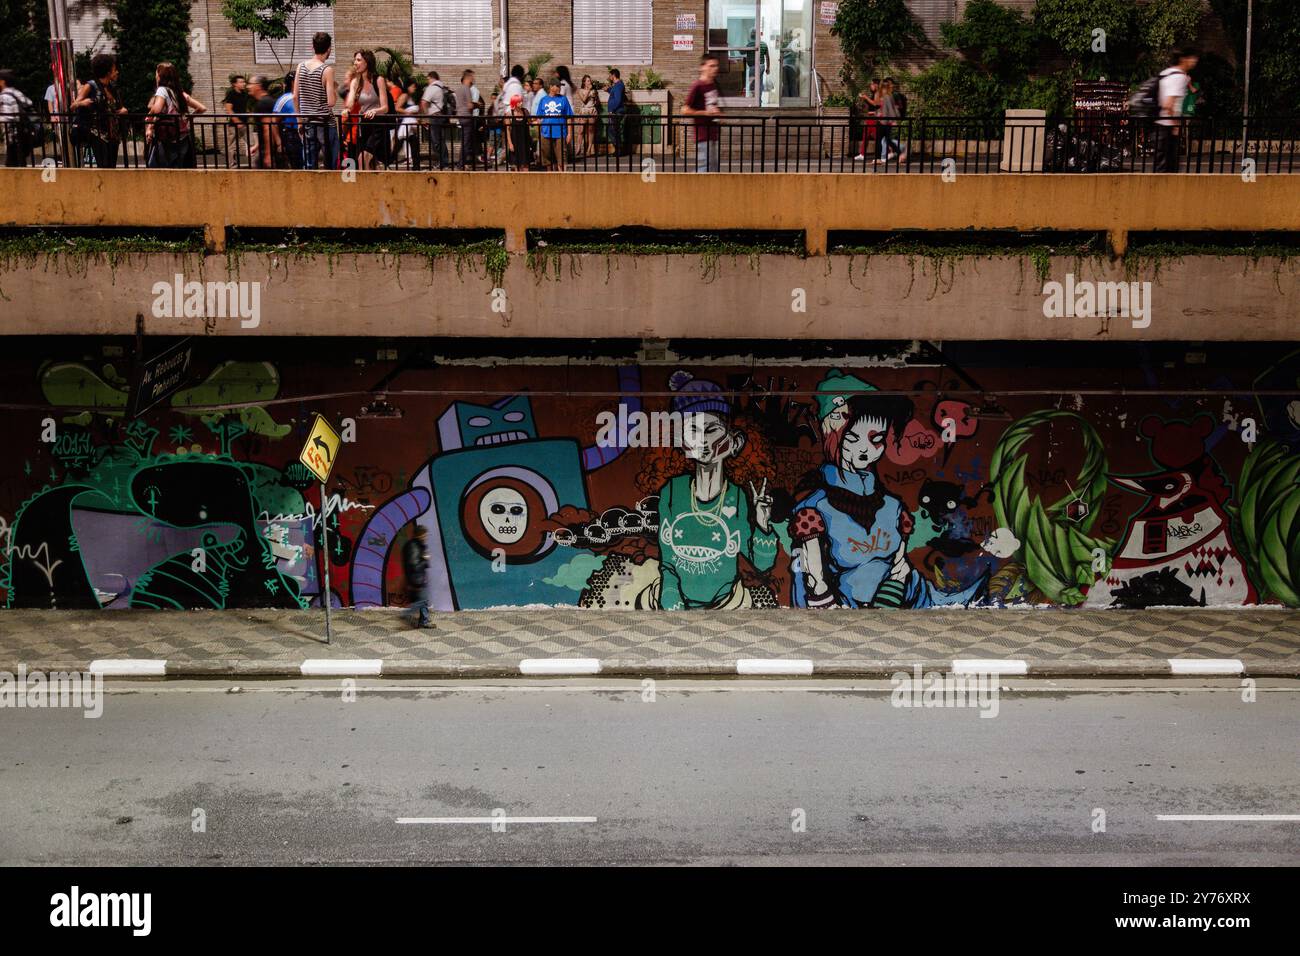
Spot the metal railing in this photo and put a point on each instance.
(841, 144)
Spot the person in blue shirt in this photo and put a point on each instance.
(851, 533)
(290, 141)
(554, 111)
(616, 107)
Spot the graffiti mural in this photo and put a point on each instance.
(658, 487)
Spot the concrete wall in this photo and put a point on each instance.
(551, 485)
(632, 296)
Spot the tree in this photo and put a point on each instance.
(1275, 57)
(146, 33)
(995, 40)
(271, 19)
(872, 32)
(1097, 35)
(25, 44)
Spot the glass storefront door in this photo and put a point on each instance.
(764, 50)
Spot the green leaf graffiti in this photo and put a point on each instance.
(1055, 547)
(1268, 520)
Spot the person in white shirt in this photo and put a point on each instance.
(1170, 93)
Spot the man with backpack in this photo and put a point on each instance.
(21, 131)
(97, 111)
(439, 103)
(1169, 92)
(469, 104)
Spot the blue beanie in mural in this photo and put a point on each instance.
(697, 395)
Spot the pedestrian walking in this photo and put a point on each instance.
(702, 103)
(615, 110)
(98, 111)
(586, 106)
(869, 104)
(468, 103)
(262, 104)
(1171, 95)
(18, 126)
(889, 115)
(289, 150)
(415, 564)
(518, 144)
(554, 111)
(169, 139)
(439, 104)
(314, 96)
(236, 104)
(367, 105)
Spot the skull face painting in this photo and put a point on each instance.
(504, 514)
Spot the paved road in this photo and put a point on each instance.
(710, 771)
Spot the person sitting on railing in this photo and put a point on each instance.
(169, 143)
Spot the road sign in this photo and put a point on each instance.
(161, 376)
(320, 449)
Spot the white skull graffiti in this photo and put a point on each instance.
(504, 514)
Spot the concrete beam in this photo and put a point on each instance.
(513, 202)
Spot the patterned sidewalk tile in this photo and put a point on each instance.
(506, 637)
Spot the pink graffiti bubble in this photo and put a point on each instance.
(918, 442)
(964, 422)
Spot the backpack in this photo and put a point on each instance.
(1144, 104)
(171, 125)
(448, 107)
(30, 131)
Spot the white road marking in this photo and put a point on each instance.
(998, 667)
(1230, 817)
(774, 666)
(455, 820)
(1189, 665)
(129, 667)
(559, 665)
(342, 667)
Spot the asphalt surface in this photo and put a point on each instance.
(710, 771)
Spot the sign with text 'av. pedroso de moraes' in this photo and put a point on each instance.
(160, 377)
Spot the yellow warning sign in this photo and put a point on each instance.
(321, 448)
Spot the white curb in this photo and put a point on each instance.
(996, 667)
(342, 667)
(128, 667)
(773, 666)
(1188, 665)
(559, 665)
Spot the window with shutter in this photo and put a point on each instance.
(86, 27)
(613, 31)
(451, 31)
(303, 24)
(931, 13)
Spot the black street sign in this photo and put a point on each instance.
(160, 376)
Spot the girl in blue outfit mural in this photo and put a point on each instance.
(850, 532)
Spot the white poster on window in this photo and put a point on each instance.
(828, 13)
(683, 42)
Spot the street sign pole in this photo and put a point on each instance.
(325, 554)
(318, 454)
